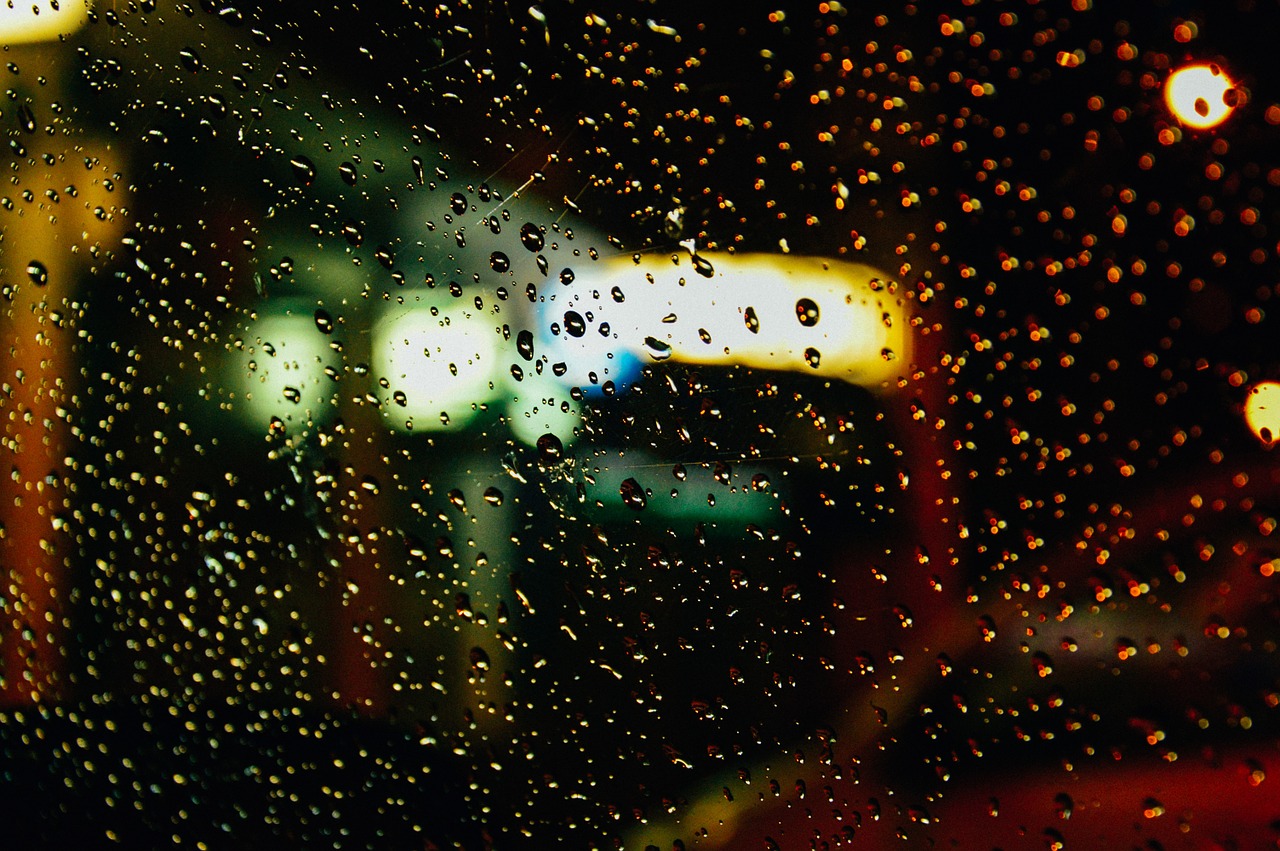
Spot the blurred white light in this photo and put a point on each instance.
(540, 405)
(445, 365)
(801, 314)
(40, 20)
(281, 371)
(1199, 95)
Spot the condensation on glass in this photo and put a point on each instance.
(639, 425)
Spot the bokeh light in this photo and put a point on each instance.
(1200, 96)
(1262, 411)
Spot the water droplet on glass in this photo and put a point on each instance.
(703, 266)
(304, 169)
(807, 312)
(812, 357)
(26, 118)
(633, 495)
(347, 171)
(37, 272)
(657, 349)
(753, 321)
(531, 237)
(459, 501)
(324, 322)
(566, 276)
(704, 335)
(618, 295)
(458, 203)
(499, 262)
(293, 394)
(524, 344)
(760, 482)
(418, 171)
(1063, 805)
(574, 324)
(550, 449)
(399, 398)
(493, 496)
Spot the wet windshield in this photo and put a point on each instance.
(639, 425)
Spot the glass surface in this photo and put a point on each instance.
(639, 425)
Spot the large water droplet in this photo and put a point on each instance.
(524, 344)
(753, 321)
(531, 237)
(324, 322)
(812, 357)
(458, 203)
(633, 495)
(38, 273)
(493, 496)
(550, 449)
(574, 324)
(657, 349)
(26, 118)
(499, 262)
(807, 312)
(347, 171)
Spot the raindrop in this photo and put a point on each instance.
(458, 203)
(499, 262)
(458, 500)
(807, 312)
(347, 171)
(418, 171)
(753, 321)
(293, 394)
(37, 272)
(566, 276)
(531, 237)
(703, 266)
(190, 59)
(524, 344)
(493, 496)
(399, 398)
(704, 335)
(324, 322)
(658, 350)
(812, 357)
(26, 118)
(633, 495)
(1063, 805)
(550, 449)
(574, 324)
(618, 295)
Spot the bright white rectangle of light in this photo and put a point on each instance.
(777, 312)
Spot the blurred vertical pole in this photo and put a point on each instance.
(58, 209)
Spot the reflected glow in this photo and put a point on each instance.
(1199, 95)
(282, 372)
(1262, 411)
(38, 20)
(445, 366)
(539, 405)
(800, 314)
